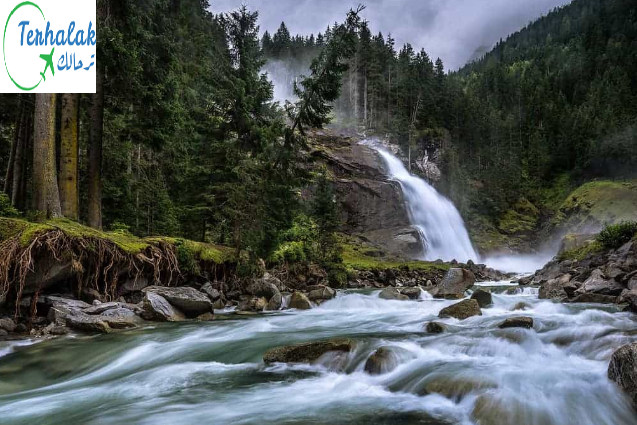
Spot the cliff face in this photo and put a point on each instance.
(371, 205)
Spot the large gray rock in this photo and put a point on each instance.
(134, 285)
(86, 323)
(121, 318)
(623, 370)
(47, 272)
(253, 304)
(413, 293)
(435, 327)
(517, 322)
(383, 360)
(266, 287)
(188, 300)
(300, 301)
(213, 294)
(553, 289)
(462, 310)
(321, 293)
(307, 352)
(628, 297)
(392, 294)
(7, 324)
(455, 283)
(159, 309)
(402, 241)
(484, 298)
(274, 303)
(598, 283)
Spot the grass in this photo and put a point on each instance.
(598, 203)
(579, 254)
(358, 256)
(131, 244)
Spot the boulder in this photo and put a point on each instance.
(629, 297)
(86, 323)
(307, 352)
(121, 318)
(594, 298)
(275, 303)
(159, 309)
(48, 271)
(213, 294)
(381, 361)
(623, 370)
(552, 289)
(462, 310)
(220, 304)
(484, 298)
(598, 283)
(265, 287)
(134, 285)
(455, 283)
(517, 322)
(521, 306)
(300, 301)
(412, 293)
(321, 292)
(7, 324)
(253, 304)
(188, 300)
(435, 327)
(392, 294)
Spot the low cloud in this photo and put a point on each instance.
(450, 29)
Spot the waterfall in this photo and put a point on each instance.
(442, 230)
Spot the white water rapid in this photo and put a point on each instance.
(443, 232)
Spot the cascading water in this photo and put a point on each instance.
(443, 232)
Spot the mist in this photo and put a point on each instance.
(454, 30)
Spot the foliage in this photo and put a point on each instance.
(616, 235)
(6, 209)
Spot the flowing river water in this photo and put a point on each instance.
(213, 373)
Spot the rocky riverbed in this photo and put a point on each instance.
(516, 359)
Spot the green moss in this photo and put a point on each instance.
(578, 254)
(199, 250)
(11, 227)
(355, 256)
(598, 203)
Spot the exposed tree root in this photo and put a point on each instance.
(95, 263)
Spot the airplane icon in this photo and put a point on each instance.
(49, 63)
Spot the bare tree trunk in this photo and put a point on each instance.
(45, 184)
(19, 162)
(365, 101)
(95, 153)
(8, 181)
(69, 152)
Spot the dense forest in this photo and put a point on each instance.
(182, 137)
(549, 107)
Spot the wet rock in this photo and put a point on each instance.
(101, 308)
(383, 360)
(90, 295)
(120, 318)
(275, 303)
(58, 330)
(521, 306)
(435, 327)
(86, 323)
(412, 293)
(455, 387)
(623, 370)
(455, 283)
(220, 304)
(253, 304)
(3, 333)
(206, 317)
(300, 301)
(594, 298)
(553, 289)
(188, 300)
(517, 322)
(628, 297)
(484, 298)
(321, 292)
(307, 352)
(159, 309)
(212, 293)
(7, 324)
(462, 310)
(392, 294)
(598, 283)
(265, 287)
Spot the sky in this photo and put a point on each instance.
(449, 29)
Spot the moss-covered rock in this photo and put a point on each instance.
(307, 352)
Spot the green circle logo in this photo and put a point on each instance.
(26, 3)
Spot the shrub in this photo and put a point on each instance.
(616, 235)
(6, 209)
(186, 258)
(336, 275)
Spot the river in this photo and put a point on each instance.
(213, 373)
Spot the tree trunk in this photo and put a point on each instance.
(8, 181)
(365, 101)
(45, 184)
(69, 152)
(95, 153)
(18, 180)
